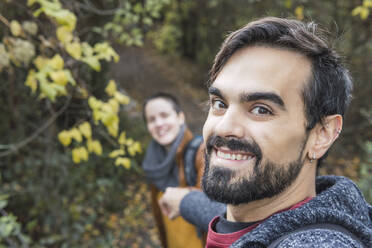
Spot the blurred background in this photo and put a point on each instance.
(73, 77)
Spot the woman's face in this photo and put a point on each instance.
(163, 122)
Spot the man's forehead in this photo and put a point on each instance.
(264, 69)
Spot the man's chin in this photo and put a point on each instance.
(222, 186)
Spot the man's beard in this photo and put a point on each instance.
(231, 187)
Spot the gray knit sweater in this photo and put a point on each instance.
(338, 201)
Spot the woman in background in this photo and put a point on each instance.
(164, 165)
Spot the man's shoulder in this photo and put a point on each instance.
(318, 237)
(321, 237)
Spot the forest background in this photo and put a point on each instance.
(73, 77)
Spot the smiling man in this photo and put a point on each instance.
(278, 95)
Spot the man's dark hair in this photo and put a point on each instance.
(166, 96)
(329, 89)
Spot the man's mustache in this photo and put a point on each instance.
(234, 145)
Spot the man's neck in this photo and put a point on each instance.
(300, 189)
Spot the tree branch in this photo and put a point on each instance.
(4, 20)
(13, 148)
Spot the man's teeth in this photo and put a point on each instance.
(232, 156)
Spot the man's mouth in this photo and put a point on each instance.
(233, 155)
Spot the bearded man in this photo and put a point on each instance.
(278, 94)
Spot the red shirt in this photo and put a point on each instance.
(224, 240)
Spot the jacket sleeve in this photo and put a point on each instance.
(199, 210)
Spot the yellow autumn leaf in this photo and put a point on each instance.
(113, 129)
(86, 129)
(66, 18)
(48, 90)
(356, 10)
(64, 34)
(299, 12)
(74, 49)
(125, 162)
(131, 151)
(76, 156)
(134, 148)
(97, 115)
(97, 147)
(40, 62)
(31, 81)
(123, 99)
(76, 134)
(114, 105)
(84, 154)
(108, 118)
(90, 145)
(56, 62)
(79, 154)
(64, 137)
(15, 28)
(137, 147)
(94, 103)
(109, 109)
(115, 153)
(70, 79)
(105, 51)
(111, 88)
(87, 49)
(60, 89)
(367, 3)
(122, 138)
(59, 77)
(93, 62)
(129, 142)
(94, 146)
(364, 13)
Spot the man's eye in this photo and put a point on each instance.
(217, 105)
(260, 110)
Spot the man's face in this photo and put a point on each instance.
(255, 130)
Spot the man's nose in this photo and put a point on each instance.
(230, 124)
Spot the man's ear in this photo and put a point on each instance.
(324, 134)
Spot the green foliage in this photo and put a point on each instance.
(50, 73)
(131, 21)
(11, 234)
(167, 39)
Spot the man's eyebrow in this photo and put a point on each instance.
(214, 91)
(248, 97)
